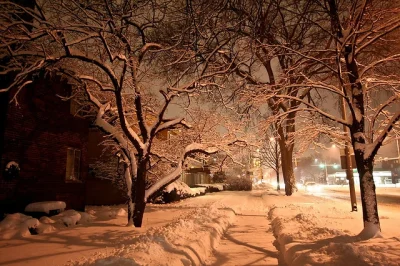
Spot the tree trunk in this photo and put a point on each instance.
(368, 197)
(278, 187)
(287, 170)
(129, 187)
(140, 189)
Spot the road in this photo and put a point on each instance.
(385, 195)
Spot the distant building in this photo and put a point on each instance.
(380, 177)
(196, 172)
(393, 165)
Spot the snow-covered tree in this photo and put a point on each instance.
(359, 67)
(251, 35)
(118, 53)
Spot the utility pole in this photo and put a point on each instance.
(349, 168)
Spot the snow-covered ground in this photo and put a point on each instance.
(310, 230)
(320, 231)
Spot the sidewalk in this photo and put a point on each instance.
(249, 241)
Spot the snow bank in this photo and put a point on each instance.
(261, 185)
(106, 212)
(19, 225)
(72, 217)
(199, 190)
(187, 241)
(309, 234)
(212, 187)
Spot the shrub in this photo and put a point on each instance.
(238, 184)
(219, 177)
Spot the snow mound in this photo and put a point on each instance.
(212, 187)
(106, 213)
(115, 261)
(45, 206)
(18, 225)
(68, 218)
(260, 185)
(46, 220)
(181, 188)
(86, 218)
(187, 241)
(198, 190)
(45, 228)
(304, 237)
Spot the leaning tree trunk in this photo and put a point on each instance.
(140, 189)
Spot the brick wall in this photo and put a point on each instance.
(39, 129)
(105, 184)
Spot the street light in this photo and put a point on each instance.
(324, 165)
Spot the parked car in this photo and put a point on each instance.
(312, 187)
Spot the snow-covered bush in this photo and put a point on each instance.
(219, 177)
(176, 191)
(237, 183)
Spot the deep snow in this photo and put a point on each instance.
(310, 230)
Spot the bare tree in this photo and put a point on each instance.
(251, 35)
(357, 66)
(113, 51)
(270, 156)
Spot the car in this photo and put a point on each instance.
(312, 187)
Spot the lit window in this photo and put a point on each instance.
(73, 164)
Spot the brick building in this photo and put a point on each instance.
(105, 184)
(48, 143)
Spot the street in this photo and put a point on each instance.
(385, 195)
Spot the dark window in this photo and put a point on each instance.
(73, 164)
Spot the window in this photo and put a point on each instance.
(73, 164)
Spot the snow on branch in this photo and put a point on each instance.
(176, 173)
(374, 147)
